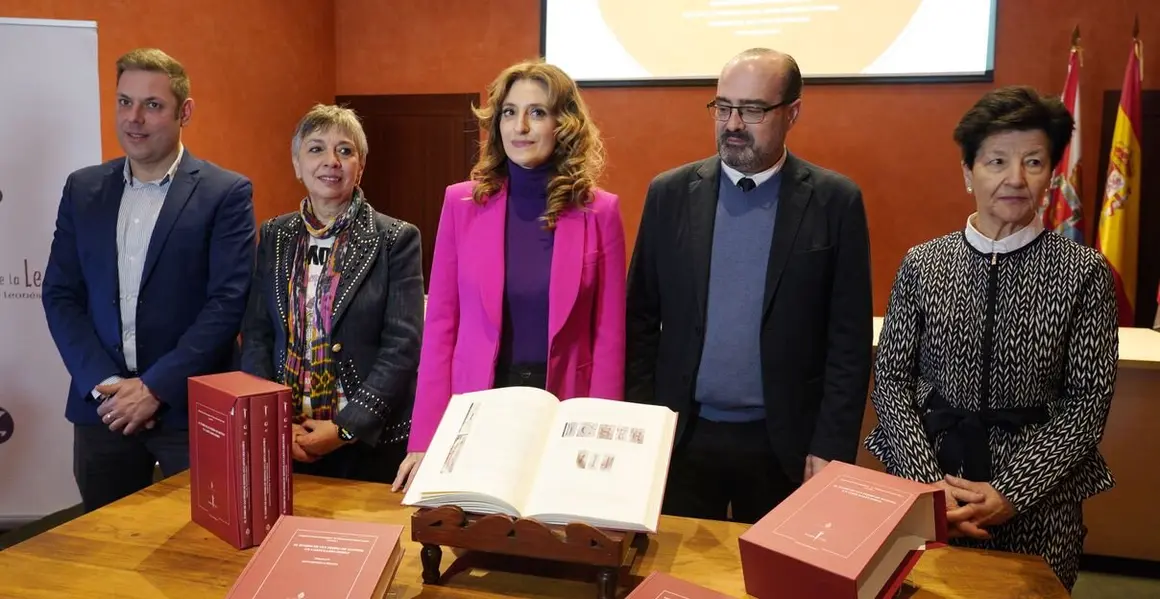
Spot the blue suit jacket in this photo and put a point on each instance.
(193, 289)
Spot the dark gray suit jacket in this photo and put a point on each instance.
(817, 323)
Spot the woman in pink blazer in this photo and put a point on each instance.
(527, 283)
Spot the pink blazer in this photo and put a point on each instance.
(465, 305)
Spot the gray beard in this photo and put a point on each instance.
(743, 159)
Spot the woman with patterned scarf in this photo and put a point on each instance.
(336, 309)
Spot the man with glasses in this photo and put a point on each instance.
(749, 305)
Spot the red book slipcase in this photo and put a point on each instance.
(238, 483)
(848, 532)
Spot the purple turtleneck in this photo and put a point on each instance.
(528, 267)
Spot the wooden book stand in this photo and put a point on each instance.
(574, 543)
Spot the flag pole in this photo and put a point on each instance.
(1075, 45)
(1139, 46)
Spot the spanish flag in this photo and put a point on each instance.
(1120, 215)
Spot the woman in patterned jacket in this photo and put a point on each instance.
(336, 309)
(997, 357)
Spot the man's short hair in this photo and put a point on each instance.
(156, 61)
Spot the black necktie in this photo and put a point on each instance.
(746, 184)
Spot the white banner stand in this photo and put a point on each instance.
(50, 125)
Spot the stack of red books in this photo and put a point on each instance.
(239, 455)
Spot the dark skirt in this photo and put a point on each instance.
(521, 375)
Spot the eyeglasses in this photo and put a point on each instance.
(750, 115)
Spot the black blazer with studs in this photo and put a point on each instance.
(378, 319)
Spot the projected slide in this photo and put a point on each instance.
(621, 40)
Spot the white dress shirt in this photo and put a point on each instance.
(141, 203)
(765, 175)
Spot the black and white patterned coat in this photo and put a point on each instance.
(970, 338)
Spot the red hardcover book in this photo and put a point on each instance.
(220, 444)
(264, 480)
(320, 557)
(848, 532)
(660, 585)
(285, 473)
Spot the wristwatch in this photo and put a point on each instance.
(345, 435)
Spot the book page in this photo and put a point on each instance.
(487, 444)
(604, 463)
(912, 533)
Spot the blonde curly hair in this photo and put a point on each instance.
(578, 159)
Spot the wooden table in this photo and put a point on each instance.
(146, 547)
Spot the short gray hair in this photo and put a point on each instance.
(323, 117)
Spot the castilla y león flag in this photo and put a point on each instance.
(1062, 209)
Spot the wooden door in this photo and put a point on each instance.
(419, 144)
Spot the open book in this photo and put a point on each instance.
(521, 452)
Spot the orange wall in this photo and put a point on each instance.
(255, 67)
(258, 65)
(895, 141)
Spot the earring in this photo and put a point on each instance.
(970, 190)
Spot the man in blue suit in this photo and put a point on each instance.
(146, 284)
